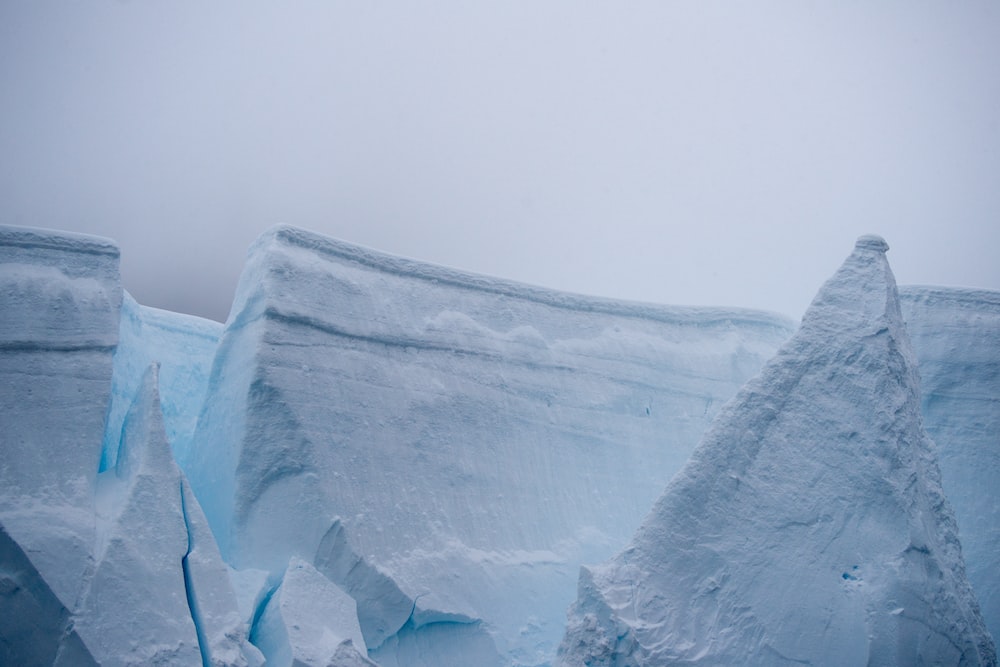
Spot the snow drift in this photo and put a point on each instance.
(809, 526)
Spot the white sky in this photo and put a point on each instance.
(675, 152)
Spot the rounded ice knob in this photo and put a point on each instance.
(871, 242)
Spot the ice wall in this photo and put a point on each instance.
(59, 304)
(956, 339)
(809, 526)
(471, 441)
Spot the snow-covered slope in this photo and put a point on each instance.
(956, 339)
(809, 526)
(445, 447)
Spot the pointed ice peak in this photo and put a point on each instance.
(809, 525)
(144, 436)
(860, 296)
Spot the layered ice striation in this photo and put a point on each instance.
(956, 340)
(809, 526)
(448, 448)
(60, 296)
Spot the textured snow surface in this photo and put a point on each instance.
(956, 339)
(809, 526)
(477, 439)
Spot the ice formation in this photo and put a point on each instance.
(956, 339)
(96, 567)
(809, 526)
(59, 300)
(465, 442)
(405, 465)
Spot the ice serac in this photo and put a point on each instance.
(60, 296)
(184, 347)
(136, 610)
(809, 526)
(478, 439)
(309, 622)
(159, 591)
(956, 339)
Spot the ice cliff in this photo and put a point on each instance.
(809, 526)
(956, 338)
(379, 461)
(445, 447)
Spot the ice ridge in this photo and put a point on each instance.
(809, 526)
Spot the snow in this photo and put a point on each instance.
(809, 526)
(471, 440)
(956, 339)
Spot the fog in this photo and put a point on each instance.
(690, 153)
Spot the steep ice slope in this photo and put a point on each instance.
(446, 447)
(184, 346)
(809, 526)
(956, 340)
(59, 300)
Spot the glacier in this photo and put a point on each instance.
(376, 460)
(809, 526)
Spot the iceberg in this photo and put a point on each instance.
(445, 447)
(381, 461)
(956, 340)
(809, 526)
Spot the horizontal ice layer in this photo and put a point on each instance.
(478, 439)
(956, 339)
(184, 347)
(809, 526)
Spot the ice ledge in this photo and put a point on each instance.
(288, 236)
(51, 239)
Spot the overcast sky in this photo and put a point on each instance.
(691, 153)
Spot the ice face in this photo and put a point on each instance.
(809, 525)
(59, 301)
(477, 439)
(956, 339)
